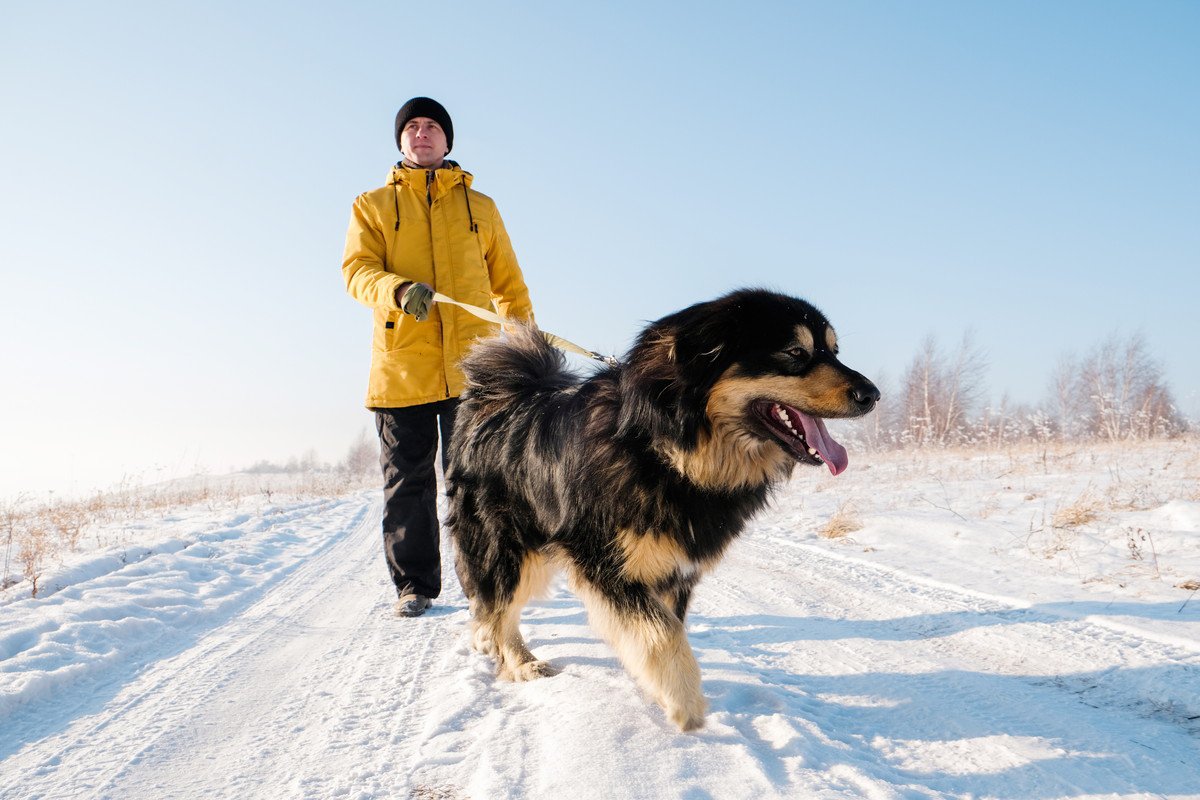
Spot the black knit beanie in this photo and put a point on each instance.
(425, 107)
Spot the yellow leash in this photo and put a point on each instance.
(554, 341)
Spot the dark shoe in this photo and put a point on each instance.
(412, 605)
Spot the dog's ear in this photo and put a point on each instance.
(650, 387)
(704, 349)
(670, 371)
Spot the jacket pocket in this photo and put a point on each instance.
(387, 330)
(396, 331)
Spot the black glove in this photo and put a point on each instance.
(417, 299)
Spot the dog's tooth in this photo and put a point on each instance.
(812, 451)
(780, 413)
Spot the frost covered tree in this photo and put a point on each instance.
(363, 456)
(1117, 391)
(940, 391)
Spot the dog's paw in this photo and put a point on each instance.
(532, 670)
(482, 643)
(690, 716)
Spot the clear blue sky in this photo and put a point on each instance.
(178, 177)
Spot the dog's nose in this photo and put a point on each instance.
(865, 396)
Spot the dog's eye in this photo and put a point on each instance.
(798, 353)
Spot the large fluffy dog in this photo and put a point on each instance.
(636, 479)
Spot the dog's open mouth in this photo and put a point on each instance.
(802, 435)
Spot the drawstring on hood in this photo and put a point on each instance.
(470, 219)
(471, 224)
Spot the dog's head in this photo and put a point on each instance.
(741, 384)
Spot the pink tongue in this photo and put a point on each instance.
(832, 453)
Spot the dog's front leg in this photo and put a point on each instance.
(673, 669)
(652, 644)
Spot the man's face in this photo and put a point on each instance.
(423, 142)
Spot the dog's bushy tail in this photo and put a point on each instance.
(514, 364)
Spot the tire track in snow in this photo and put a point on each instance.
(1082, 653)
(228, 699)
(828, 678)
(917, 682)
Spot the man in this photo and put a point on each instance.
(426, 230)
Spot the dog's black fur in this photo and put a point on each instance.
(636, 479)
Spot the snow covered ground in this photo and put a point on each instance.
(1007, 625)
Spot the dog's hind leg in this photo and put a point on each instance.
(651, 642)
(496, 622)
(499, 575)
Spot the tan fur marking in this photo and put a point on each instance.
(729, 457)
(828, 394)
(536, 575)
(804, 338)
(831, 339)
(649, 558)
(823, 392)
(731, 460)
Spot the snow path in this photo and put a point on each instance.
(828, 676)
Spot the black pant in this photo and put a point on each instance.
(408, 439)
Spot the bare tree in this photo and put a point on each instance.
(9, 517)
(880, 429)
(939, 392)
(1067, 406)
(363, 456)
(1117, 391)
(310, 461)
(1006, 423)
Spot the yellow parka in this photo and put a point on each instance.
(428, 226)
